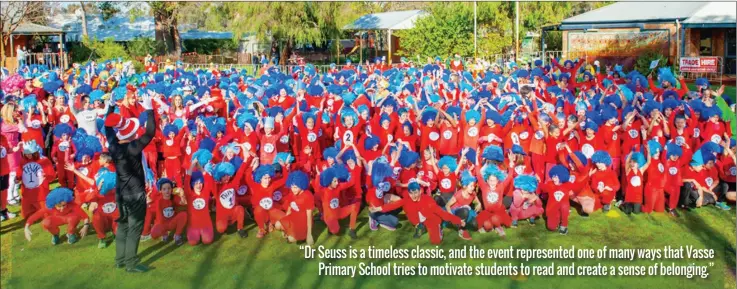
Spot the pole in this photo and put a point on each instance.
(360, 47)
(389, 60)
(678, 41)
(474, 31)
(516, 30)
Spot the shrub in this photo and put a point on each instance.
(643, 62)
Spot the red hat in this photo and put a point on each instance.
(126, 127)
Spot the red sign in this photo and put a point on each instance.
(700, 64)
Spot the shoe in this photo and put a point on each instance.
(563, 230)
(119, 266)
(514, 223)
(618, 203)
(482, 230)
(417, 233)
(3, 218)
(138, 269)
(352, 234)
(390, 228)
(13, 202)
(584, 215)
(373, 224)
(722, 206)
(178, 240)
(165, 238)
(532, 221)
(606, 208)
(71, 238)
(55, 240)
(674, 213)
(145, 238)
(101, 244)
(464, 235)
(261, 234)
(242, 233)
(500, 231)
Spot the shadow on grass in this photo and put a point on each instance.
(204, 267)
(11, 227)
(710, 237)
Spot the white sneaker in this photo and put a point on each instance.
(145, 238)
(14, 202)
(11, 215)
(482, 230)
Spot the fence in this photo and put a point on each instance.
(50, 60)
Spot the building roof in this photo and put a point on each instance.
(631, 12)
(394, 20)
(122, 29)
(713, 15)
(33, 29)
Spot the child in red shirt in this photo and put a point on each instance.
(297, 222)
(59, 211)
(167, 218)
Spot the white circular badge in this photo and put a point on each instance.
(227, 198)
(109, 208)
(266, 203)
(168, 212)
(198, 204)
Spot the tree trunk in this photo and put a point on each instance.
(84, 19)
(285, 52)
(176, 39)
(162, 31)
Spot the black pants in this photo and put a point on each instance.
(463, 214)
(130, 227)
(629, 208)
(443, 198)
(689, 196)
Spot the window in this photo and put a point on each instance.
(705, 43)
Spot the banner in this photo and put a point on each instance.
(618, 47)
(700, 64)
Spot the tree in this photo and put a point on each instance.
(107, 10)
(165, 20)
(15, 13)
(84, 19)
(287, 23)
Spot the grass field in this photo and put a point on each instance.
(231, 262)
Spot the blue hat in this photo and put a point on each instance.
(59, 195)
(517, 149)
(493, 170)
(299, 179)
(493, 153)
(448, 161)
(467, 178)
(601, 157)
(263, 170)
(526, 183)
(561, 172)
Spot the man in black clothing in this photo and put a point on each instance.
(126, 152)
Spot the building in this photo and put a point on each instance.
(621, 31)
(380, 26)
(27, 35)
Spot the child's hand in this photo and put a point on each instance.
(69, 167)
(83, 231)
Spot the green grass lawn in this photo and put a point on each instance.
(231, 262)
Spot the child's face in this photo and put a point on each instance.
(556, 180)
(198, 186)
(166, 191)
(265, 180)
(589, 132)
(446, 170)
(296, 190)
(310, 123)
(65, 137)
(673, 158)
(334, 183)
(60, 206)
(351, 163)
(268, 130)
(415, 195)
(555, 132)
(601, 166)
(680, 122)
(472, 122)
(385, 124)
(406, 131)
(172, 135)
(489, 122)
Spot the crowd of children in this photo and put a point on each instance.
(478, 152)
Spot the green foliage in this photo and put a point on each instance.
(107, 49)
(209, 46)
(643, 61)
(141, 46)
(107, 9)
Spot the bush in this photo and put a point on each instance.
(140, 46)
(105, 50)
(643, 62)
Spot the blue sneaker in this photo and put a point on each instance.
(54, 239)
(514, 223)
(722, 206)
(373, 224)
(71, 238)
(532, 221)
